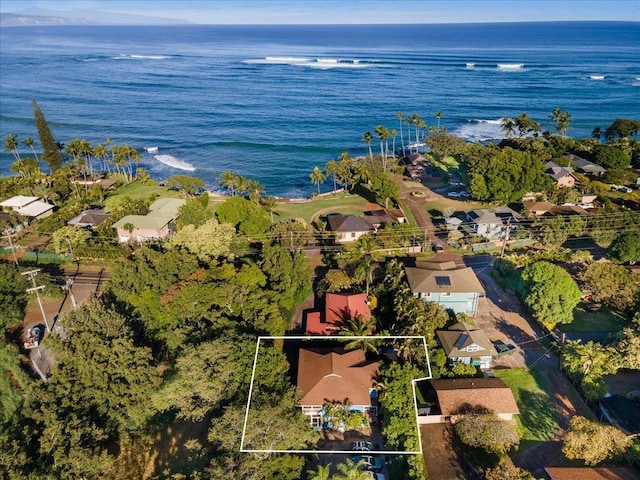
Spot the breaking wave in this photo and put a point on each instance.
(172, 161)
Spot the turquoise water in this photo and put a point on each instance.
(272, 102)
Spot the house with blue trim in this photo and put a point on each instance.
(455, 288)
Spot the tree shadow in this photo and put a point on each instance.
(514, 332)
(538, 414)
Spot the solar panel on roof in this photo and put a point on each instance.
(461, 340)
(442, 281)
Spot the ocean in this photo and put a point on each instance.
(272, 102)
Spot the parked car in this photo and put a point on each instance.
(586, 206)
(453, 194)
(375, 476)
(503, 348)
(370, 462)
(361, 446)
(624, 189)
(437, 247)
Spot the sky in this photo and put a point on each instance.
(348, 11)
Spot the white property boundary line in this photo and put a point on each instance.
(334, 338)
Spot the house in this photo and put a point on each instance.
(445, 283)
(156, 225)
(587, 167)
(333, 375)
(550, 209)
(489, 223)
(563, 176)
(31, 207)
(463, 343)
(92, 218)
(349, 228)
(454, 396)
(339, 307)
(592, 473)
(622, 413)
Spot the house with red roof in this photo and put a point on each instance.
(338, 308)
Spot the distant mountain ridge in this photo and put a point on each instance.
(38, 16)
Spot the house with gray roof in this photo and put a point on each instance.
(457, 289)
(563, 176)
(585, 166)
(31, 207)
(463, 343)
(158, 224)
(92, 218)
(490, 223)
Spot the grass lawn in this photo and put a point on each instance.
(136, 190)
(436, 207)
(537, 422)
(601, 321)
(341, 202)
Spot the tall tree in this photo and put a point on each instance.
(625, 248)
(550, 293)
(11, 145)
(562, 120)
(438, 116)
(317, 177)
(331, 168)
(508, 125)
(368, 138)
(51, 153)
(229, 180)
(359, 327)
(400, 117)
(255, 191)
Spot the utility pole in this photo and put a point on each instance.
(13, 249)
(37, 288)
(67, 287)
(506, 237)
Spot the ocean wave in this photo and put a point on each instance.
(124, 56)
(172, 161)
(318, 63)
(510, 66)
(480, 130)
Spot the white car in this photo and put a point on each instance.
(586, 206)
(453, 194)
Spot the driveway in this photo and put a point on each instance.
(502, 316)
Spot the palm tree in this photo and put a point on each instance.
(142, 174)
(368, 138)
(129, 227)
(269, 203)
(29, 143)
(359, 327)
(321, 473)
(101, 152)
(363, 254)
(393, 134)
(344, 170)
(229, 180)
(330, 169)
(317, 177)
(400, 117)
(350, 470)
(242, 184)
(255, 191)
(438, 116)
(562, 120)
(11, 144)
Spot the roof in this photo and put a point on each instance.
(458, 337)
(18, 201)
(592, 473)
(416, 158)
(557, 172)
(144, 222)
(425, 278)
(546, 208)
(35, 209)
(90, 218)
(622, 413)
(338, 308)
(585, 165)
(167, 206)
(333, 375)
(494, 215)
(491, 393)
(348, 223)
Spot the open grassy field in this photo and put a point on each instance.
(536, 421)
(603, 320)
(341, 202)
(136, 190)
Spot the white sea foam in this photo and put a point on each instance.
(172, 161)
(596, 77)
(510, 66)
(481, 130)
(319, 63)
(140, 57)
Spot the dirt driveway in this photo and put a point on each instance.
(502, 316)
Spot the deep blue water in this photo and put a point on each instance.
(272, 102)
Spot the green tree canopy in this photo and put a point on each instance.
(193, 212)
(487, 431)
(625, 248)
(188, 184)
(51, 151)
(550, 293)
(613, 285)
(622, 128)
(611, 157)
(246, 216)
(587, 363)
(207, 241)
(385, 188)
(593, 442)
(13, 295)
